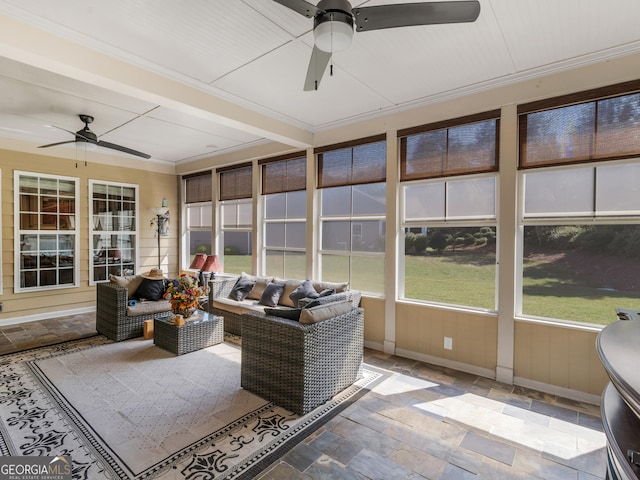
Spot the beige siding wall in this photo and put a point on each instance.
(152, 188)
(421, 330)
(373, 321)
(558, 356)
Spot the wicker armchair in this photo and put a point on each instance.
(301, 366)
(112, 320)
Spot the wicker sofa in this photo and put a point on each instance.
(232, 310)
(300, 366)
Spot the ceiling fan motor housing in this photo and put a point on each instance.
(333, 26)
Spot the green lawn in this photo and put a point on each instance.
(468, 279)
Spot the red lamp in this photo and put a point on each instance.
(198, 261)
(212, 264)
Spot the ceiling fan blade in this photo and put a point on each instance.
(130, 151)
(63, 129)
(411, 14)
(303, 8)
(57, 143)
(317, 65)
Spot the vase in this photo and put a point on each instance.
(185, 312)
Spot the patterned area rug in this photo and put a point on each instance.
(130, 410)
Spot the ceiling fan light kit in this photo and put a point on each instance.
(333, 23)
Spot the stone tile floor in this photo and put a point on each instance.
(424, 422)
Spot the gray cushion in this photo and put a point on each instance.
(271, 294)
(258, 289)
(305, 290)
(130, 282)
(324, 312)
(290, 313)
(150, 289)
(241, 289)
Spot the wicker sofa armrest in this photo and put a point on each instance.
(220, 287)
(300, 366)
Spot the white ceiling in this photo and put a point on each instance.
(234, 69)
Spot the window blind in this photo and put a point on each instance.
(284, 174)
(454, 147)
(197, 187)
(598, 124)
(353, 163)
(235, 182)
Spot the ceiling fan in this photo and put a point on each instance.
(333, 22)
(86, 135)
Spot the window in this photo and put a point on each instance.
(450, 220)
(199, 214)
(113, 229)
(580, 221)
(236, 209)
(353, 210)
(285, 212)
(46, 243)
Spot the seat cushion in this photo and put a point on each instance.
(324, 312)
(148, 308)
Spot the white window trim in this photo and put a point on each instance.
(93, 182)
(16, 225)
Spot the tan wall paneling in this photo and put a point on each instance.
(373, 319)
(152, 188)
(559, 356)
(421, 329)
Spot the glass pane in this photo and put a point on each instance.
(99, 191)
(618, 189)
(48, 186)
(274, 264)
(368, 236)
(206, 215)
(67, 205)
(193, 216)
(335, 268)
(229, 215)
(335, 168)
(28, 203)
(559, 192)
(367, 274)
(129, 194)
(274, 235)
(561, 134)
(297, 204)
(424, 201)
(275, 206)
(245, 215)
(296, 235)
(455, 266)
(28, 221)
(336, 236)
(28, 184)
(237, 252)
(336, 201)
(580, 272)
(115, 193)
(67, 188)
(370, 199)
(67, 222)
(369, 163)
(99, 206)
(294, 265)
(65, 276)
(472, 198)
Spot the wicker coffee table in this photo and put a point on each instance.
(201, 330)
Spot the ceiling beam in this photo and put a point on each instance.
(29, 45)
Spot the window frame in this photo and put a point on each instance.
(75, 232)
(92, 230)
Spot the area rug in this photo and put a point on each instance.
(131, 410)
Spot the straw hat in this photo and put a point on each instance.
(153, 274)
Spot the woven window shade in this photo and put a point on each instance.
(288, 175)
(599, 124)
(455, 147)
(235, 183)
(198, 187)
(354, 165)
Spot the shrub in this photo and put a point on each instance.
(231, 250)
(420, 243)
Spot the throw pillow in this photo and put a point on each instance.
(327, 292)
(258, 289)
(289, 287)
(130, 282)
(305, 290)
(338, 287)
(241, 289)
(150, 290)
(290, 313)
(324, 312)
(271, 294)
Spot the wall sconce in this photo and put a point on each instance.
(161, 223)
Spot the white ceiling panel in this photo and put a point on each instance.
(275, 81)
(544, 32)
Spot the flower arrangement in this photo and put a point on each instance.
(184, 294)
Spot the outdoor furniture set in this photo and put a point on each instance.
(297, 351)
